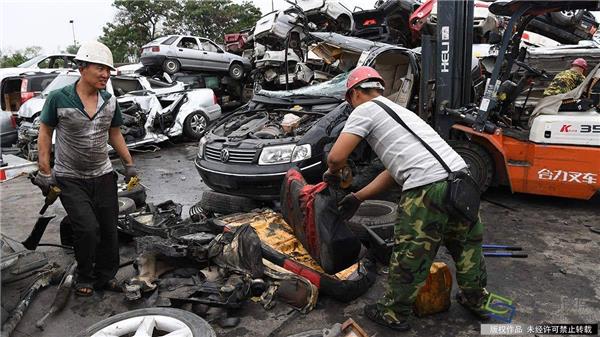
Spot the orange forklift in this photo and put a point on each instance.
(553, 149)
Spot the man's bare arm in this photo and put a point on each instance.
(381, 183)
(44, 148)
(116, 140)
(343, 147)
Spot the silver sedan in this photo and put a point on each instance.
(179, 52)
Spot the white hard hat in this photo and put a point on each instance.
(95, 52)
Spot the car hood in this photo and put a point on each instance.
(31, 107)
(509, 7)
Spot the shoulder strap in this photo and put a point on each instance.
(397, 118)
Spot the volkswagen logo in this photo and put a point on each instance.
(224, 155)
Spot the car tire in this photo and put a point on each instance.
(236, 71)
(371, 213)
(221, 203)
(567, 18)
(478, 160)
(137, 193)
(171, 66)
(166, 318)
(126, 206)
(195, 125)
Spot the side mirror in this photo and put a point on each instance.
(220, 51)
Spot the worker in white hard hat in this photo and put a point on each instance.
(86, 117)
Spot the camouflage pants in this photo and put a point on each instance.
(424, 224)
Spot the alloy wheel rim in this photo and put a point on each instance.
(198, 123)
(146, 326)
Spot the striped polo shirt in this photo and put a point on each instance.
(407, 160)
(81, 148)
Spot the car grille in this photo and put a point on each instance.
(245, 156)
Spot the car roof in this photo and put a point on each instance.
(509, 7)
(351, 43)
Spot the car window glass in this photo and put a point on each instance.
(58, 63)
(71, 63)
(45, 63)
(208, 46)
(157, 40)
(170, 40)
(60, 82)
(188, 43)
(335, 87)
(31, 62)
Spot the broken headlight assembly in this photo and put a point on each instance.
(281, 154)
(201, 144)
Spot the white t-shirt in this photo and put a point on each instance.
(403, 155)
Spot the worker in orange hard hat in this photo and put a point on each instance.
(569, 79)
(425, 220)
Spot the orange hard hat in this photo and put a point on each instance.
(365, 77)
(580, 63)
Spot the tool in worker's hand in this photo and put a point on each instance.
(133, 182)
(62, 294)
(39, 228)
(346, 177)
(51, 197)
(341, 179)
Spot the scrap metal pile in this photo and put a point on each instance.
(213, 265)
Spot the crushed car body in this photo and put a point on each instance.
(152, 111)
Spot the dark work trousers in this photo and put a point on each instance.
(92, 208)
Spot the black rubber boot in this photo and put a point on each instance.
(374, 315)
(475, 303)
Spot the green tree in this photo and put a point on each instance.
(72, 48)
(212, 19)
(136, 23)
(19, 56)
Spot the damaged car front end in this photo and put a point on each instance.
(249, 152)
(153, 111)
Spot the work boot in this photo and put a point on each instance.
(474, 302)
(376, 316)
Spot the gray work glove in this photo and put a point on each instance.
(44, 181)
(348, 206)
(129, 172)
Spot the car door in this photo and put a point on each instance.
(214, 56)
(189, 54)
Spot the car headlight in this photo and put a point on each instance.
(201, 147)
(301, 152)
(281, 154)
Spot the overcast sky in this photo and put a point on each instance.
(45, 23)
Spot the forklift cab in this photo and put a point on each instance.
(558, 153)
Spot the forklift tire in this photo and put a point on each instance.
(371, 213)
(224, 204)
(478, 160)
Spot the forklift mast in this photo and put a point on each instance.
(453, 57)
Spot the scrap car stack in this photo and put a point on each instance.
(268, 109)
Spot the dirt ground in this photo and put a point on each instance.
(558, 283)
